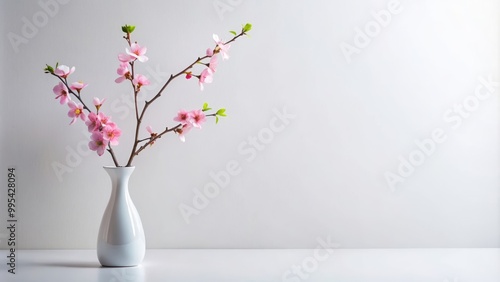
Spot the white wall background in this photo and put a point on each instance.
(323, 175)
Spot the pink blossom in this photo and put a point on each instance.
(111, 133)
(221, 47)
(125, 58)
(183, 117)
(98, 103)
(197, 118)
(98, 143)
(93, 122)
(137, 52)
(206, 76)
(152, 133)
(78, 86)
(76, 111)
(213, 64)
(183, 130)
(123, 72)
(189, 75)
(62, 93)
(140, 80)
(210, 52)
(105, 120)
(63, 71)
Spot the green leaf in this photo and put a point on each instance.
(221, 112)
(49, 69)
(232, 32)
(247, 27)
(128, 28)
(216, 119)
(205, 107)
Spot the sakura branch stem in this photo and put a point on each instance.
(145, 139)
(136, 88)
(236, 37)
(153, 138)
(136, 106)
(110, 150)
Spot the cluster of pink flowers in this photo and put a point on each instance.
(103, 131)
(206, 76)
(136, 52)
(189, 120)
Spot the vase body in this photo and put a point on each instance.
(121, 239)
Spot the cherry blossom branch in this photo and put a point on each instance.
(104, 133)
(65, 81)
(243, 32)
(136, 151)
(152, 139)
(172, 77)
(110, 150)
(145, 139)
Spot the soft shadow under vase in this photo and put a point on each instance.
(121, 239)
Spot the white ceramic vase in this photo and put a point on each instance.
(121, 239)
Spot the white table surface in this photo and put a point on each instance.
(342, 265)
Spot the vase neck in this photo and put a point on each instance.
(119, 177)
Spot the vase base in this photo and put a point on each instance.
(126, 255)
